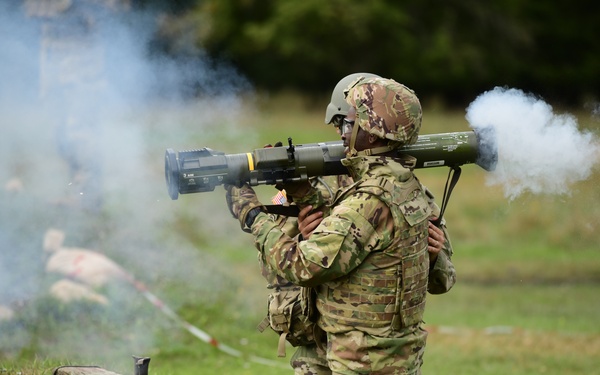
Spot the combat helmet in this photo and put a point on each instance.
(386, 109)
(338, 105)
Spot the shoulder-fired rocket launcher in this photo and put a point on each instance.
(201, 170)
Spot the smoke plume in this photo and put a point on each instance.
(149, 102)
(539, 151)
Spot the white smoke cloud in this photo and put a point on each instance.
(148, 106)
(539, 151)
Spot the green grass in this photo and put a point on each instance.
(528, 269)
(555, 308)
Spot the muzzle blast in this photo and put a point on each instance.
(201, 170)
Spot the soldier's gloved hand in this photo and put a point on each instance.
(292, 189)
(243, 205)
(295, 190)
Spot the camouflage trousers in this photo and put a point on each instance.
(310, 360)
(356, 352)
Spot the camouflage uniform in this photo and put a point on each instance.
(442, 274)
(366, 287)
(73, 82)
(309, 358)
(368, 258)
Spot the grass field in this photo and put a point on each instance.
(526, 300)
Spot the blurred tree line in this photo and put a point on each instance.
(452, 49)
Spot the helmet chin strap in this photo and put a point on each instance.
(353, 151)
(374, 151)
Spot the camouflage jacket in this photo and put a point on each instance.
(442, 274)
(320, 196)
(360, 226)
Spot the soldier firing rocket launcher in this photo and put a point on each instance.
(201, 170)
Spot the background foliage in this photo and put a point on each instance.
(453, 49)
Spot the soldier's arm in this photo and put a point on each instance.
(288, 225)
(442, 274)
(337, 246)
(319, 192)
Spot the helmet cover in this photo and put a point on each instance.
(386, 109)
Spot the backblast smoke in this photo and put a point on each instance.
(52, 114)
